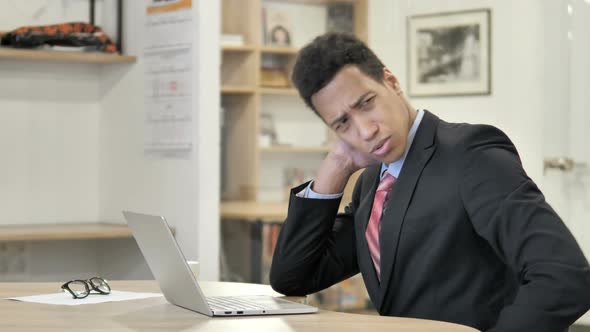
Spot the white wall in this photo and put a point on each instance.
(48, 142)
(72, 149)
(48, 128)
(49, 123)
(208, 142)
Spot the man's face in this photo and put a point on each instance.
(373, 118)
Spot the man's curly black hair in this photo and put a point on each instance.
(319, 61)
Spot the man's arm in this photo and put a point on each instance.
(508, 210)
(316, 247)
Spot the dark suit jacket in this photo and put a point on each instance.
(466, 237)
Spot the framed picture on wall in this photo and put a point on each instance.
(449, 54)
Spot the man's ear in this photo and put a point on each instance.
(391, 80)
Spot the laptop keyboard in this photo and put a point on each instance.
(232, 303)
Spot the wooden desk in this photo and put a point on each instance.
(156, 314)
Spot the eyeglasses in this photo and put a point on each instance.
(82, 288)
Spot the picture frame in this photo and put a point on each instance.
(449, 54)
(277, 25)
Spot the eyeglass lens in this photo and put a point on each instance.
(79, 288)
(100, 285)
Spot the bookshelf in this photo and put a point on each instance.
(252, 170)
(246, 96)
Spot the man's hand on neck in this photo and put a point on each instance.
(340, 163)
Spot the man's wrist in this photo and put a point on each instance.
(309, 193)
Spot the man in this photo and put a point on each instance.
(444, 223)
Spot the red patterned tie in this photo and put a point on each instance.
(374, 226)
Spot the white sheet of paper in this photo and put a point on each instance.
(67, 299)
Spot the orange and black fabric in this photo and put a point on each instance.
(75, 34)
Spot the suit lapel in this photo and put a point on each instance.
(369, 186)
(393, 216)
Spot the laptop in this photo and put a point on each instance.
(178, 283)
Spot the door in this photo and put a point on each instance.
(566, 134)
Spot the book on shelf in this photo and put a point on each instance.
(270, 235)
(232, 39)
(348, 295)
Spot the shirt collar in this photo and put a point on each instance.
(396, 167)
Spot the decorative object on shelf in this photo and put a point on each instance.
(277, 26)
(79, 35)
(449, 53)
(340, 18)
(268, 134)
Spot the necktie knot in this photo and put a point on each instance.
(386, 183)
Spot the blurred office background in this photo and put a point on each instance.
(74, 130)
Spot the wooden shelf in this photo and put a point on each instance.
(278, 50)
(59, 56)
(295, 149)
(241, 48)
(254, 211)
(314, 2)
(44, 232)
(279, 91)
(235, 89)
